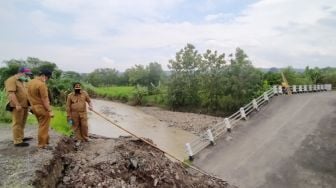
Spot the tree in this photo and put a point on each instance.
(314, 75)
(138, 75)
(103, 77)
(72, 75)
(155, 73)
(273, 78)
(243, 79)
(183, 87)
(212, 79)
(56, 85)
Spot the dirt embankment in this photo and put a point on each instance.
(102, 162)
(195, 123)
(127, 162)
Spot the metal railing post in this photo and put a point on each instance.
(242, 113)
(305, 88)
(310, 88)
(280, 90)
(275, 90)
(266, 98)
(190, 152)
(294, 88)
(255, 104)
(227, 124)
(210, 136)
(300, 88)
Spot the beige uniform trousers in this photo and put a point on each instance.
(43, 119)
(80, 125)
(19, 118)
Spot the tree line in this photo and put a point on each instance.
(210, 82)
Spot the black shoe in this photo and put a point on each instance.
(27, 139)
(22, 144)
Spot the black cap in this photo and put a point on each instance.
(46, 73)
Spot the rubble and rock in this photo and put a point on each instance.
(191, 122)
(127, 162)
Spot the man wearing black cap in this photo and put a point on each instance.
(76, 111)
(39, 100)
(18, 104)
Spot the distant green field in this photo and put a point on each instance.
(129, 94)
(122, 93)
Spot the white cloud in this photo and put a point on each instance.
(120, 34)
(218, 17)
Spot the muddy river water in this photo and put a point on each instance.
(136, 121)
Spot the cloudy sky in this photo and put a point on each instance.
(82, 35)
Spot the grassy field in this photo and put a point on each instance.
(121, 93)
(127, 94)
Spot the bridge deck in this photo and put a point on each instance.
(289, 143)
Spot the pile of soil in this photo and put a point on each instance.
(127, 162)
(191, 122)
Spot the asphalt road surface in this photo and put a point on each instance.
(290, 142)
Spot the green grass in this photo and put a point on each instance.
(155, 100)
(5, 116)
(122, 93)
(129, 94)
(59, 122)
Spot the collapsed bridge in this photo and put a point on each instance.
(287, 143)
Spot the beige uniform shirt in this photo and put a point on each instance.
(13, 84)
(37, 90)
(77, 103)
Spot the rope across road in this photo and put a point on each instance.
(182, 163)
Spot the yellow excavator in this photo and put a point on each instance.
(285, 85)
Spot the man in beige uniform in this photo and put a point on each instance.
(39, 100)
(18, 101)
(76, 111)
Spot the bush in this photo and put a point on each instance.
(138, 95)
(5, 116)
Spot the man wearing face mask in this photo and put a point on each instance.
(39, 100)
(76, 111)
(18, 101)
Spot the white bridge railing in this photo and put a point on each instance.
(208, 138)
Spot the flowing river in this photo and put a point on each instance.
(169, 139)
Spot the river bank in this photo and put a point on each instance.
(191, 122)
(102, 162)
